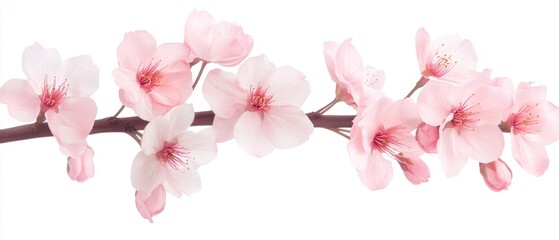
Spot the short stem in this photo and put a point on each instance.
(204, 63)
(337, 130)
(420, 83)
(119, 111)
(328, 106)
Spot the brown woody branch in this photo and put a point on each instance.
(127, 124)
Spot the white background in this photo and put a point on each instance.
(309, 192)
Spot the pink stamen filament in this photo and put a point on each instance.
(258, 99)
(528, 120)
(464, 116)
(176, 156)
(441, 65)
(53, 94)
(386, 141)
(149, 77)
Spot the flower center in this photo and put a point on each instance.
(441, 63)
(464, 116)
(53, 94)
(386, 141)
(149, 77)
(176, 156)
(527, 120)
(258, 99)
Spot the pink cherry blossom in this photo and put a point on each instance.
(55, 91)
(223, 43)
(497, 175)
(355, 84)
(383, 129)
(427, 137)
(533, 124)
(152, 79)
(468, 117)
(81, 168)
(151, 204)
(170, 154)
(260, 106)
(448, 58)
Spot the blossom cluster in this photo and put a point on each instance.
(460, 113)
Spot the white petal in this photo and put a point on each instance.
(201, 145)
(287, 126)
(146, 172)
(23, 103)
(186, 182)
(251, 136)
(452, 152)
(39, 63)
(180, 118)
(221, 90)
(82, 76)
(254, 70)
(155, 134)
(288, 87)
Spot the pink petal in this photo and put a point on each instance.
(378, 173)
(549, 129)
(466, 57)
(23, 103)
(81, 168)
(201, 145)
(452, 151)
(223, 94)
(224, 127)
(287, 126)
(186, 182)
(493, 103)
(434, 105)
(180, 118)
(427, 137)
(147, 172)
(288, 86)
(526, 94)
(358, 148)
(72, 123)
(129, 88)
(136, 50)
(531, 156)
(422, 48)
(230, 45)
(251, 136)
(40, 63)
(151, 204)
(330, 49)
(82, 76)
(155, 134)
(402, 113)
(415, 170)
(348, 63)
(485, 143)
(173, 57)
(196, 33)
(174, 90)
(255, 70)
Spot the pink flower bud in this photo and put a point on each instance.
(81, 168)
(497, 174)
(414, 168)
(151, 204)
(427, 137)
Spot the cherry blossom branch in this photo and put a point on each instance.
(132, 124)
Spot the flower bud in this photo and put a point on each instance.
(151, 204)
(81, 168)
(427, 137)
(414, 168)
(497, 174)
